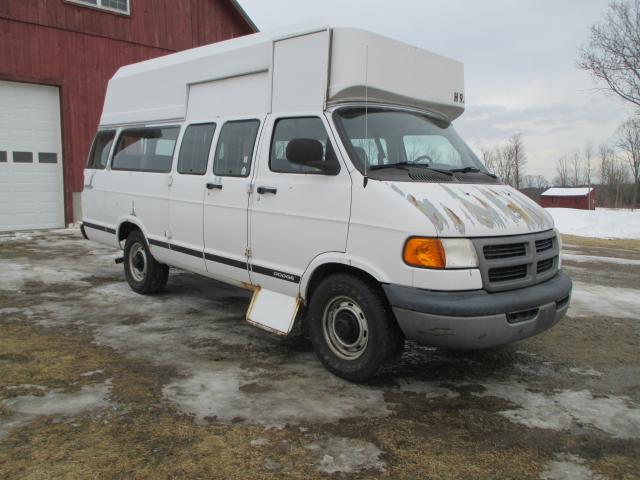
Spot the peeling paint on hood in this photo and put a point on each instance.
(474, 210)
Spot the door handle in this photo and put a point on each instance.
(272, 190)
(211, 186)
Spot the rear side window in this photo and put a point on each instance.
(235, 148)
(195, 147)
(287, 129)
(146, 149)
(99, 155)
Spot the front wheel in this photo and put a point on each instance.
(144, 273)
(352, 328)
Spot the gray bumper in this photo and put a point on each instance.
(479, 319)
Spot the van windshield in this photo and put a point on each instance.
(387, 138)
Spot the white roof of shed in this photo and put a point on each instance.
(567, 192)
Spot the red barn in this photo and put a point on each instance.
(582, 198)
(56, 57)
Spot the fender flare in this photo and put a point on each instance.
(130, 219)
(343, 259)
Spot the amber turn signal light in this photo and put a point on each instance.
(424, 252)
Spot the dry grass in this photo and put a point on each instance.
(624, 244)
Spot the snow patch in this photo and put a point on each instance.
(346, 455)
(589, 300)
(301, 391)
(25, 408)
(587, 372)
(593, 258)
(12, 237)
(428, 389)
(569, 466)
(597, 223)
(617, 416)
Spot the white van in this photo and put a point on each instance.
(318, 167)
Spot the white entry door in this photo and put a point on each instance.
(31, 184)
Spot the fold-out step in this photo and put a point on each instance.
(273, 311)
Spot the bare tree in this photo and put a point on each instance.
(507, 161)
(605, 155)
(613, 52)
(628, 141)
(518, 158)
(562, 173)
(586, 163)
(576, 170)
(497, 160)
(535, 181)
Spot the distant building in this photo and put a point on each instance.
(56, 57)
(583, 198)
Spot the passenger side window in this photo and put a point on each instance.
(99, 155)
(195, 147)
(235, 148)
(146, 149)
(287, 129)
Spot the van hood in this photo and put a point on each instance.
(467, 210)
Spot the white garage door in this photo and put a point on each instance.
(31, 188)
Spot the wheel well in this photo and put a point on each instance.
(323, 271)
(125, 229)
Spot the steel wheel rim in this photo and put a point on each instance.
(345, 328)
(138, 262)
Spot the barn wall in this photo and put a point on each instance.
(581, 203)
(78, 49)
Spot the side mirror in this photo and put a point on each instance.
(309, 153)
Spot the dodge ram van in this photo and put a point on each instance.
(319, 168)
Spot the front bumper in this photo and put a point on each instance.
(479, 319)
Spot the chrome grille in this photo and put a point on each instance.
(517, 261)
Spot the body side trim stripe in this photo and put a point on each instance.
(186, 251)
(99, 227)
(158, 243)
(288, 277)
(226, 261)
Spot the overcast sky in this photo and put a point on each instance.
(519, 58)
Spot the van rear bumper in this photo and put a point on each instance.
(479, 319)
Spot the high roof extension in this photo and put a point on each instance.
(308, 68)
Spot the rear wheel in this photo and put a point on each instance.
(144, 273)
(352, 328)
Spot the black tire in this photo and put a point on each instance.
(144, 273)
(343, 310)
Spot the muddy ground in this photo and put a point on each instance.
(98, 382)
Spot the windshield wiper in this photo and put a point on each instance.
(472, 170)
(403, 165)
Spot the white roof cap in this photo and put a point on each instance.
(567, 192)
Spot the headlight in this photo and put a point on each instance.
(440, 253)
